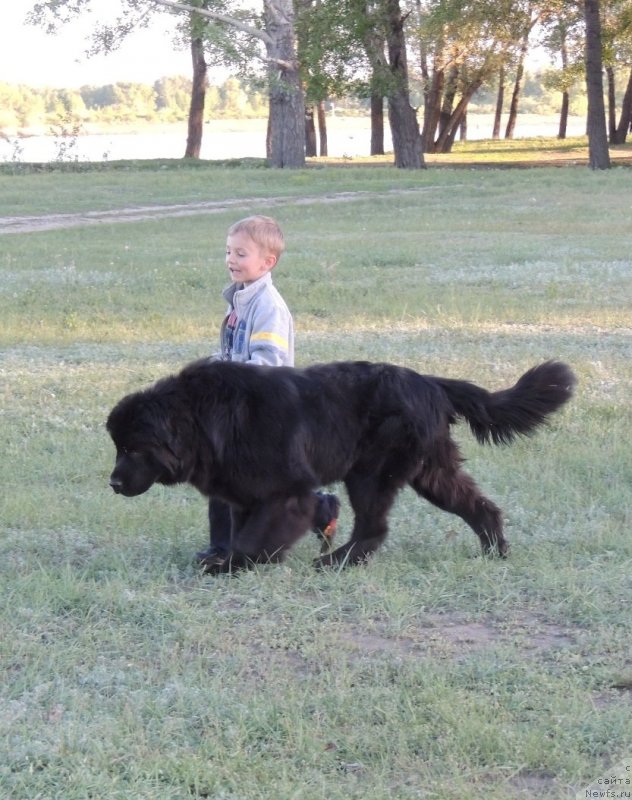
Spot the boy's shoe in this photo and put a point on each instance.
(326, 519)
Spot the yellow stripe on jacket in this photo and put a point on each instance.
(270, 336)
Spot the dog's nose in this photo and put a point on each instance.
(116, 484)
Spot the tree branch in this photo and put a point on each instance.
(249, 29)
(276, 13)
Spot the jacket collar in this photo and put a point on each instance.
(242, 295)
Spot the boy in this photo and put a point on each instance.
(258, 329)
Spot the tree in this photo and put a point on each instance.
(500, 100)
(561, 131)
(106, 38)
(616, 30)
(329, 58)
(198, 96)
(137, 96)
(402, 116)
(625, 120)
(341, 53)
(173, 96)
(466, 43)
(373, 38)
(599, 157)
(286, 119)
(342, 50)
(528, 15)
(205, 46)
(564, 38)
(217, 43)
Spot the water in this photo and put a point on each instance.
(223, 139)
(119, 146)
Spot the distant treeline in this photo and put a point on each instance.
(167, 100)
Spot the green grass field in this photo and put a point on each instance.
(430, 673)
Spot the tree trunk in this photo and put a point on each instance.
(287, 104)
(323, 149)
(449, 93)
(625, 120)
(515, 95)
(598, 155)
(285, 139)
(446, 139)
(310, 132)
(198, 94)
(373, 42)
(612, 105)
(432, 110)
(405, 133)
(402, 116)
(432, 83)
(425, 72)
(377, 124)
(463, 128)
(268, 140)
(500, 102)
(561, 131)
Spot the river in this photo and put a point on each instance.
(224, 139)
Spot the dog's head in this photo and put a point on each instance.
(147, 445)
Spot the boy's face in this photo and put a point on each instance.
(245, 260)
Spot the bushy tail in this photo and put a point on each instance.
(498, 417)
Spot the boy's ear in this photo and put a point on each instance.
(270, 261)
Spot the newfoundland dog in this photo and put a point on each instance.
(262, 439)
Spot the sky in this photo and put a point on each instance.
(30, 56)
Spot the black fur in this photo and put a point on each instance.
(262, 439)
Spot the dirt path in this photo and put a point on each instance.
(49, 222)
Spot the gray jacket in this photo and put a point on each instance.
(258, 328)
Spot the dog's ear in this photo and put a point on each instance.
(171, 445)
(161, 433)
(172, 429)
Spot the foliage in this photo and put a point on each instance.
(166, 100)
(458, 47)
(332, 60)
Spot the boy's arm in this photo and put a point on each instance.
(271, 339)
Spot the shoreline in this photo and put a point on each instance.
(354, 123)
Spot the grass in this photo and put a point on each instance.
(427, 674)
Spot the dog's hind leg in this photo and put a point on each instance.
(371, 499)
(451, 489)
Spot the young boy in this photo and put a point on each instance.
(258, 329)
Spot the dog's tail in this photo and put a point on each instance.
(498, 417)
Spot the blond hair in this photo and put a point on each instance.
(264, 232)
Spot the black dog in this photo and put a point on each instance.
(263, 438)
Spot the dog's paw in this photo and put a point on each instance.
(324, 562)
(212, 562)
(346, 556)
(497, 550)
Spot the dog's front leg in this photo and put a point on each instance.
(270, 527)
